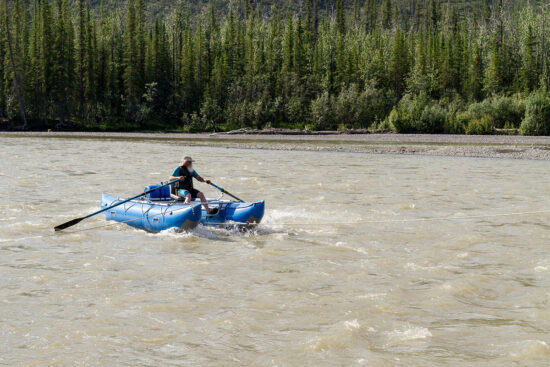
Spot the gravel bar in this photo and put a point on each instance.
(482, 146)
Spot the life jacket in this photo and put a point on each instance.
(187, 183)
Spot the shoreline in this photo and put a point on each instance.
(476, 146)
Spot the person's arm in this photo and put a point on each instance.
(174, 176)
(200, 179)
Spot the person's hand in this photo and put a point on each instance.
(182, 178)
(208, 182)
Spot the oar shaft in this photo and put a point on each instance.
(226, 192)
(78, 220)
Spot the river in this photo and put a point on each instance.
(353, 264)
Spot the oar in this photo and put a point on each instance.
(78, 220)
(225, 192)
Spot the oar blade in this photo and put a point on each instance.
(68, 224)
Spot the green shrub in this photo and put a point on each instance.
(322, 112)
(432, 119)
(481, 126)
(502, 109)
(459, 122)
(400, 121)
(509, 110)
(476, 111)
(358, 109)
(386, 125)
(417, 106)
(537, 115)
(346, 107)
(453, 106)
(509, 126)
(453, 125)
(195, 123)
(241, 114)
(405, 117)
(295, 110)
(374, 103)
(211, 111)
(418, 114)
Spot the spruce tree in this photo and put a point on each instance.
(187, 67)
(417, 15)
(371, 9)
(161, 66)
(433, 16)
(288, 46)
(81, 60)
(356, 14)
(299, 57)
(102, 57)
(140, 34)
(399, 67)
(475, 83)
(14, 66)
(48, 55)
(91, 41)
(418, 81)
(386, 14)
(201, 71)
(35, 77)
(340, 17)
(131, 70)
(528, 71)
(494, 71)
(315, 30)
(64, 62)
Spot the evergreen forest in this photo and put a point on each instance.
(417, 66)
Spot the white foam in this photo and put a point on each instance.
(339, 336)
(542, 266)
(372, 296)
(532, 350)
(408, 334)
(352, 324)
(274, 216)
(171, 232)
(199, 231)
(414, 267)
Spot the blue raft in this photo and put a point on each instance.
(153, 216)
(233, 213)
(157, 212)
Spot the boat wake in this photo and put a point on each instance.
(275, 222)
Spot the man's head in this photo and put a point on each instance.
(186, 161)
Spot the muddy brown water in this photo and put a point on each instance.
(351, 265)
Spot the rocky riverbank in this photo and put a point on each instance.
(491, 146)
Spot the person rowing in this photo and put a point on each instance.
(183, 189)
